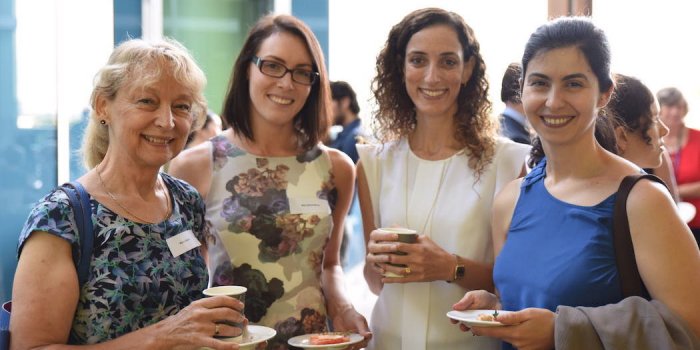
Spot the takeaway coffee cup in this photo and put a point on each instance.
(405, 235)
(237, 292)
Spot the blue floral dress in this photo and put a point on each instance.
(273, 215)
(134, 279)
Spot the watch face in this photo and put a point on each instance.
(460, 271)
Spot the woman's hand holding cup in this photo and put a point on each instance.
(383, 243)
(236, 293)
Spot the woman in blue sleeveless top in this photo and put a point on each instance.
(552, 230)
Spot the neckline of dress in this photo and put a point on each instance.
(417, 157)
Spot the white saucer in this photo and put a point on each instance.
(303, 341)
(471, 317)
(256, 335)
(686, 211)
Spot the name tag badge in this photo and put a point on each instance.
(308, 205)
(182, 242)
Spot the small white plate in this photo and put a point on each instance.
(686, 211)
(304, 341)
(256, 334)
(471, 317)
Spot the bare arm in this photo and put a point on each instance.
(372, 276)
(666, 253)
(689, 190)
(45, 296)
(194, 165)
(502, 214)
(340, 309)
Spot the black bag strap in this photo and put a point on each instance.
(630, 281)
(80, 202)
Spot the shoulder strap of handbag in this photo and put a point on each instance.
(630, 280)
(80, 202)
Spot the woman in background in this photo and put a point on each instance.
(683, 144)
(639, 131)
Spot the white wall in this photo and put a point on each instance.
(654, 41)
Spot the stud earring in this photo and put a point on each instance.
(103, 122)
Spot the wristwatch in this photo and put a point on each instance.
(459, 270)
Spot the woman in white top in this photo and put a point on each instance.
(437, 172)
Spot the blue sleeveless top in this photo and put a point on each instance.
(557, 253)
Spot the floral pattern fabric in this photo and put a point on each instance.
(134, 279)
(271, 246)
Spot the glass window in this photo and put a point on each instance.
(50, 60)
(213, 30)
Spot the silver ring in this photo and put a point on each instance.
(216, 329)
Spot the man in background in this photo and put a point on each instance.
(345, 112)
(514, 124)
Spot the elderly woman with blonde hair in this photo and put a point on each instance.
(142, 292)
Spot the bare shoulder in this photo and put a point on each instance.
(192, 157)
(194, 166)
(503, 208)
(649, 199)
(648, 194)
(340, 161)
(509, 194)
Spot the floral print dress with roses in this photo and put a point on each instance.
(273, 217)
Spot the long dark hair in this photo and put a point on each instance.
(312, 120)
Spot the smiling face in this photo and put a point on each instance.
(435, 70)
(148, 123)
(646, 154)
(561, 95)
(278, 100)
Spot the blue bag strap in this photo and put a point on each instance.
(80, 202)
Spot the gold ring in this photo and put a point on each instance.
(407, 271)
(216, 329)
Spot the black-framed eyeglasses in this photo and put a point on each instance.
(278, 70)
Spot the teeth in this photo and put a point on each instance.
(556, 121)
(433, 93)
(280, 100)
(157, 140)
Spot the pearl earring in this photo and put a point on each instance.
(103, 122)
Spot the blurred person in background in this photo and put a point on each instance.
(276, 196)
(514, 125)
(437, 172)
(212, 127)
(346, 114)
(639, 132)
(140, 293)
(683, 144)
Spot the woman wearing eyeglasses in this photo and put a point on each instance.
(274, 193)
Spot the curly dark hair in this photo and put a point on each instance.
(395, 116)
(630, 105)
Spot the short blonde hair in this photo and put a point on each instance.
(144, 62)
